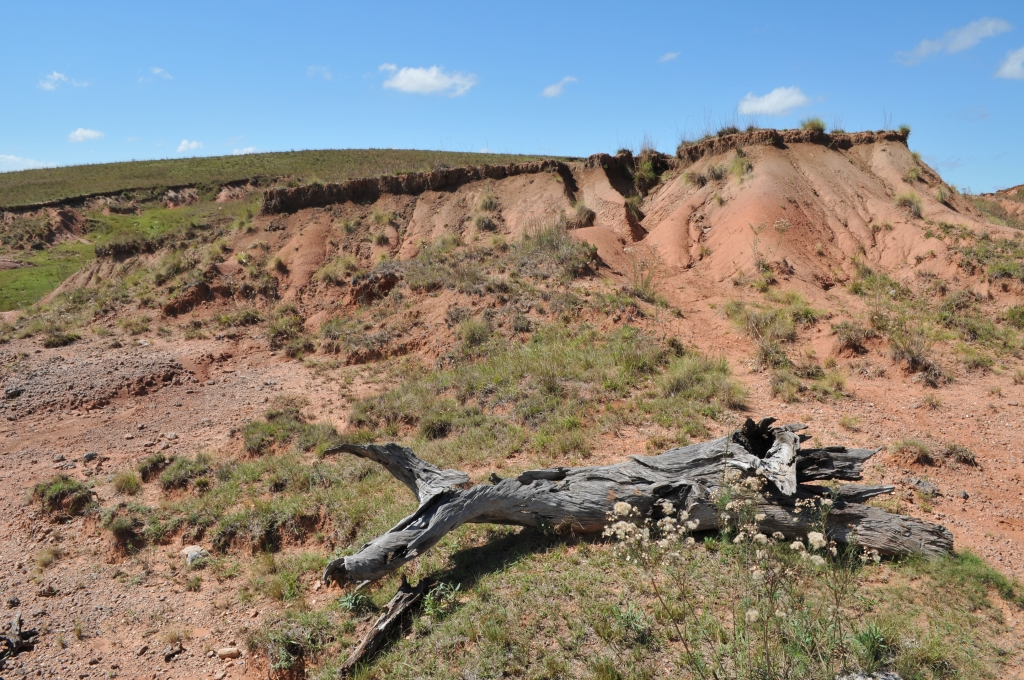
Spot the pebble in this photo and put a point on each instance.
(142, 650)
(59, 458)
(92, 455)
(171, 435)
(229, 652)
(220, 675)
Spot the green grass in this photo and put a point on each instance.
(22, 287)
(50, 184)
(62, 493)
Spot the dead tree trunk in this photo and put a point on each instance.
(580, 500)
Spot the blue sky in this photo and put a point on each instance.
(107, 81)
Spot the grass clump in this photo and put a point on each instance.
(958, 453)
(184, 470)
(740, 166)
(582, 216)
(914, 451)
(285, 330)
(910, 201)
(287, 644)
(852, 336)
(785, 385)
(152, 465)
(47, 557)
(63, 494)
(127, 482)
(813, 124)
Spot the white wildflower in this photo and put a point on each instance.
(692, 524)
(739, 538)
(797, 546)
(760, 538)
(826, 502)
(818, 560)
(690, 541)
(778, 536)
(760, 516)
(622, 508)
(683, 516)
(816, 540)
(781, 614)
(752, 615)
(667, 507)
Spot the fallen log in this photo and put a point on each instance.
(580, 500)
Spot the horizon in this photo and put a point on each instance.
(102, 87)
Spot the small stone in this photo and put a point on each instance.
(171, 435)
(1011, 403)
(129, 436)
(211, 654)
(93, 661)
(211, 381)
(59, 458)
(963, 495)
(92, 455)
(13, 602)
(220, 675)
(254, 613)
(229, 652)
(192, 553)
(172, 651)
(142, 650)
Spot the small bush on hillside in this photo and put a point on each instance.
(942, 195)
(695, 177)
(152, 465)
(288, 642)
(487, 202)
(904, 130)
(474, 332)
(785, 385)
(813, 124)
(63, 493)
(127, 482)
(740, 166)
(241, 317)
(484, 223)
(1015, 316)
(582, 216)
(958, 453)
(184, 470)
(60, 339)
(715, 172)
(913, 174)
(910, 201)
(914, 451)
(697, 377)
(285, 328)
(135, 326)
(852, 336)
(338, 271)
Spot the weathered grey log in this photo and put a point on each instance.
(16, 639)
(579, 500)
(404, 599)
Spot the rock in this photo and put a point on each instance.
(220, 675)
(963, 495)
(925, 487)
(13, 392)
(59, 458)
(92, 455)
(163, 446)
(13, 602)
(129, 436)
(211, 381)
(142, 650)
(171, 435)
(171, 651)
(193, 553)
(1011, 403)
(229, 652)
(48, 591)
(93, 661)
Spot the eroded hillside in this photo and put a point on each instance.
(497, 319)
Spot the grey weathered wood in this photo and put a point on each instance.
(579, 500)
(406, 597)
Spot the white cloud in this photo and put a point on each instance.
(189, 146)
(387, 67)
(956, 40)
(157, 71)
(433, 80)
(778, 102)
(84, 135)
(12, 163)
(243, 151)
(319, 72)
(51, 81)
(1012, 66)
(668, 56)
(556, 89)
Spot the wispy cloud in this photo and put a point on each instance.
(556, 89)
(243, 151)
(189, 146)
(956, 40)
(778, 102)
(668, 56)
(972, 113)
(319, 72)
(85, 135)
(13, 163)
(433, 80)
(159, 72)
(1012, 66)
(51, 81)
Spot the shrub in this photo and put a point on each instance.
(286, 325)
(48, 556)
(913, 174)
(785, 385)
(60, 339)
(64, 494)
(582, 216)
(695, 177)
(151, 465)
(127, 482)
(484, 223)
(289, 640)
(697, 377)
(942, 195)
(487, 202)
(915, 451)
(904, 130)
(813, 124)
(715, 172)
(337, 271)
(474, 332)
(959, 453)
(910, 201)
(739, 166)
(852, 336)
(183, 470)
(848, 422)
(1015, 316)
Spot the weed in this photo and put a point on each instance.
(913, 174)
(813, 124)
(942, 195)
(184, 470)
(441, 600)
(474, 332)
(1015, 316)
(487, 202)
(695, 178)
(959, 453)
(852, 336)
(337, 271)
(484, 223)
(127, 482)
(715, 172)
(914, 451)
(194, 583)
(850, 423)
(151, 465)
(582, 216)
(931, 402)
(289, 640)
(740, 165)
(910, 201)
(356, 602)
(62, 493)
(785, 385)
(48, 556)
